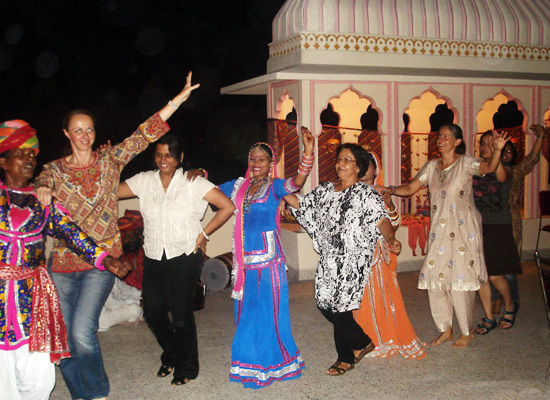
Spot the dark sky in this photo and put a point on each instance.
(124, 59)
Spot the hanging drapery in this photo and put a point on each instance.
(406, 157)
(283, 138)
(371, 141)
(291, 150)
(276, 129)
(327, 143)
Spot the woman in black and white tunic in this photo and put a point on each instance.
(345, 221)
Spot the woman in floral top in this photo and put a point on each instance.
(86, 182)
(345, 221)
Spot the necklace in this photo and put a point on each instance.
(249, 199)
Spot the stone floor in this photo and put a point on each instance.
(506, 364)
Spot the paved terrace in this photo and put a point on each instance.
(501, 365)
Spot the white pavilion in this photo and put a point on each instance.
(403, 59)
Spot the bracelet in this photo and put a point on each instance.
(205, 235)
(174, 106)
(205, 174)
(540, 136)
(306, 163)
(393, 188)
(394, 209)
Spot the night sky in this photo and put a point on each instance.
(124, 59)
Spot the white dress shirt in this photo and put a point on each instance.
(172, 217)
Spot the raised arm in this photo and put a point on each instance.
(170, 108)
(498, 142)
(225, 208)
(539, 131)
(307, 158)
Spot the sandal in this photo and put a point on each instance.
(487, 326)
(164, 371)
(179, 382)
(339, 370)
(364, 352)
(508, 320)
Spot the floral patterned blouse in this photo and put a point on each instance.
(344, 229)
(90, 193)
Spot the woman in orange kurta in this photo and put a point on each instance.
(382, 314)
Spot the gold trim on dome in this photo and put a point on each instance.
(397, 45)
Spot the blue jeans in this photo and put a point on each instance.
(82, 295)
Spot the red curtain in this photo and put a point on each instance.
(327, 143)
(370, 141)
(283, 138)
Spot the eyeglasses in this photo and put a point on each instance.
(345, 160)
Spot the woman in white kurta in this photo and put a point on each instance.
(172, 207)
(454, 267)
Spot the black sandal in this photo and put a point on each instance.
(508, 320)
(484, 329)
(164, 371)
(339, 370)
(179, 382)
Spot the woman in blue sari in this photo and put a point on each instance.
(263, 349)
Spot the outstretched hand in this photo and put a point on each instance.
(538, 130)
(499, 140)
(308, 140)
(187, 89)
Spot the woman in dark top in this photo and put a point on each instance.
(491, 194)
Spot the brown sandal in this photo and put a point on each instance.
(339, 370)
(364, 352)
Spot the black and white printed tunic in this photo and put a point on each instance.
(344, 229)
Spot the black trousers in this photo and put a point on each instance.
(169, 286)
(348, 335)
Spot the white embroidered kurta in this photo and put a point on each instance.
(455, 245)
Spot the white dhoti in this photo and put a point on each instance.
(25, 375)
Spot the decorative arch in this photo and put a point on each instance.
(350, 106)
(489, 113)
(422, 119)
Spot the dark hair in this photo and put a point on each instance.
(514, 152)
(175, 147)
(264, 146)
(362, 157)
(457, 133)
(67, 118)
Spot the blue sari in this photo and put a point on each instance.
(263, 349)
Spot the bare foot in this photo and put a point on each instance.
(446, 336)
(463, 341)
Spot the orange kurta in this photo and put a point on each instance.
(382, 314)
